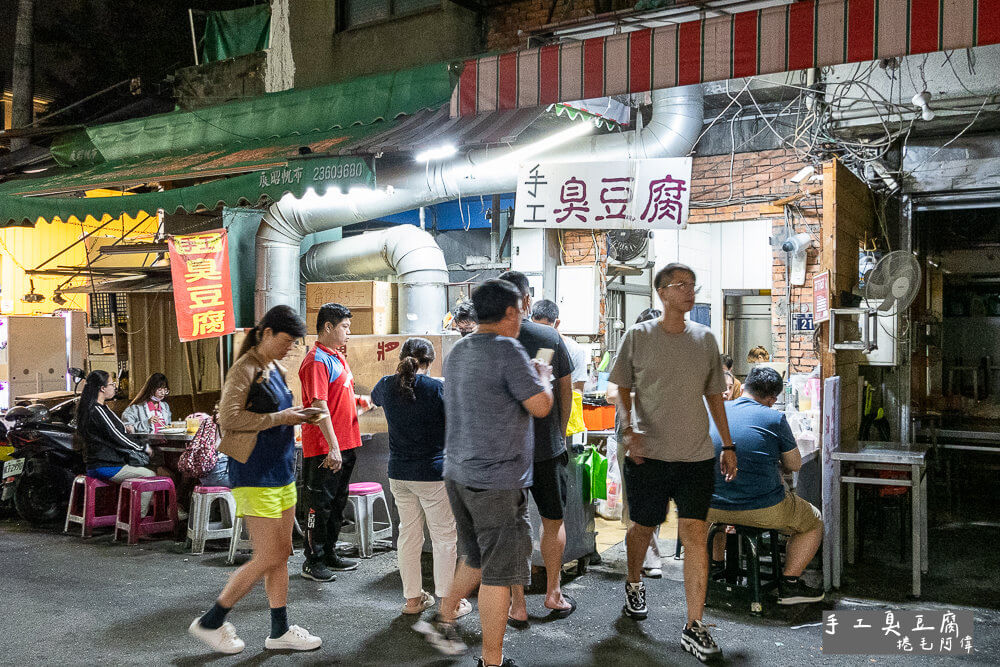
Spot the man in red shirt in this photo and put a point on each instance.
(329, 446)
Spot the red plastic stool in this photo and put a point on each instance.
(91, 504)
(162, 517)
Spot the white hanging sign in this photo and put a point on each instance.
(632, 194)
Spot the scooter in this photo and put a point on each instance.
(46, 458)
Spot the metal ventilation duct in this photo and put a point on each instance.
(673, 130)
(411, 253)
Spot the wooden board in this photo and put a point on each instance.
(848, 218)
(370, 357)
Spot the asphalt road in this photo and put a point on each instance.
(70, 601)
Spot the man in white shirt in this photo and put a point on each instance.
(547, 312)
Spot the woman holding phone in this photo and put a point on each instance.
(257, 421)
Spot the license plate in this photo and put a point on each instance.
(13, 468)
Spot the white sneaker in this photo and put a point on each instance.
(296, 639)
(223, 640)
(464, 608)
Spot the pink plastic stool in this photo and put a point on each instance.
(162, 517)
(91, 504)
(365, 530)
(364, 489)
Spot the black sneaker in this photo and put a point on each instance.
(441, 635)
(340, 564)
(798, 592)
(317, 572)
(697, 641)
(635, 601)
(507, 662)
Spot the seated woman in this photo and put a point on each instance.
(414, 410)
(148, 412)
(109, 454)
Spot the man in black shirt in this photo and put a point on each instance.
(551, 459)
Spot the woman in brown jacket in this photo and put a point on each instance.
(257, 421)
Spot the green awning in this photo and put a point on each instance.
(295, 177)
(234, 154)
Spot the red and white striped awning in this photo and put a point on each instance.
(809, 33)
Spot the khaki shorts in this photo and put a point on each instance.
(792, 516)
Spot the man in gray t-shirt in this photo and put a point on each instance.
(673, 367)
(491, 392)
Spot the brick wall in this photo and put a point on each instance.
(503, 23)
(804, 350)
(765, 174)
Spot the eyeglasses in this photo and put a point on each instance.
(686, 287)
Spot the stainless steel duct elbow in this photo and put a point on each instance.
(410, 253)
(678, 117)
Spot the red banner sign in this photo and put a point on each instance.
(203, 294)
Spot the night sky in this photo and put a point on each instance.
(83, 46)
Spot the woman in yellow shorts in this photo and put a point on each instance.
(257, 421)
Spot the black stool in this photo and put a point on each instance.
(743, 573)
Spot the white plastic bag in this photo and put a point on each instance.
(611, 508)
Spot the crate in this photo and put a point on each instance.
(373, 304)
(107, 309)
(599, 417)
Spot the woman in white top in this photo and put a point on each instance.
(148, 412)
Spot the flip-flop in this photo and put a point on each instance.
(563, 613)
(517, 624)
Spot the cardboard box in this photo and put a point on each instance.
(364, 321)
(351, 293)
(373, 304)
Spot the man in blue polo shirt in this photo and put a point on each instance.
(757, 497)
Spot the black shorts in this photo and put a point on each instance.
(549, 487)
(650, 486)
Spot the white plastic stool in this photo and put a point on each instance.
(200, 526)
(365, 530)
(240, 540)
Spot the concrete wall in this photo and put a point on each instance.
(324, 55)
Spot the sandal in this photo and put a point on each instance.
(426, 602)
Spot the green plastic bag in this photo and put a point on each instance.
(595, 473)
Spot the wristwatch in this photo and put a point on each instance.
(729, 448)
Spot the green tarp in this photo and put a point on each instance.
(236, 32)
(274, 116)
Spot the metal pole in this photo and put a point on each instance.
(73, 244)
(905, 372)
(194, 39)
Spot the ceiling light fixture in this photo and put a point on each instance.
(32, 296)
(515, 158)
(438, 153)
